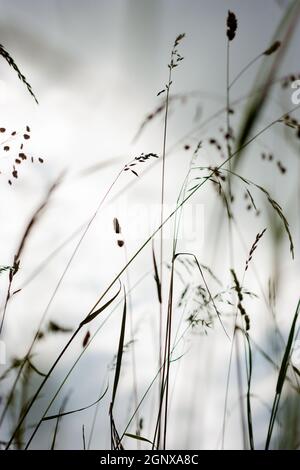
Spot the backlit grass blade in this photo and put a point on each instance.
(282, 377)
(120, 353)
(93, 315)
(59, 415)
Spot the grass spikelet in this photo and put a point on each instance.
(253, 248)
(11, 62)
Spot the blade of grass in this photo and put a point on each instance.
(139, 438)
(156, 275)
(249, 378)
(114, 435)
(282, 377)
(120, 352)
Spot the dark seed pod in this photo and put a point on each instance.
(86, 339)
(231, 25)
(275, 46)
(117, 227)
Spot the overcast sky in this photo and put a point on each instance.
(96, 68)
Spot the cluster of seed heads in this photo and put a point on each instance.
(291, 122)
(227, 136)
(231, 25)
(194, 321)
(217, 172)
(269, 157)
(176, 58)
(8, 146)
(196, 299)
(142, 158)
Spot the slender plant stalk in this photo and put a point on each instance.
(162, 218)
(244, 69)
(174, 60)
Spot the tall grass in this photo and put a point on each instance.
(227, 310)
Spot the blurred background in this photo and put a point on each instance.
(96, 68)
